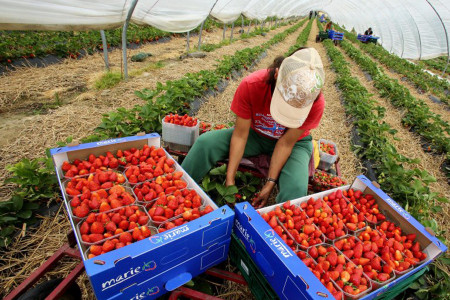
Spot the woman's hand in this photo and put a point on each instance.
(263, 196)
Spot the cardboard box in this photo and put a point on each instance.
(289, 277)
(157, 261)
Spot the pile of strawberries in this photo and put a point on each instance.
(84, 167)
(186, 216)
(328, 148)
(172, 205)
(161, 186)
(111, 218)
(82, 185)
(408, 242)
(205, 127)
(322, 215)
(345, 211)
(366, 205)
(292, 224)
(127, 224)
(323, 276)
(181, 120)
(364, 254)
(323, 181)
(100, 200)
(348, 276)
(371, 257)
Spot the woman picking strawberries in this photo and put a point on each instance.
(275, 110)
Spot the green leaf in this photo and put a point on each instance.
(222, 170)
(414, 286)
(31, 205)
(206, 180)
(436, 209)
(230, 199)
(251, 188)
(7, 219)
(17, 202)
(445, 260)
(442, 199)
(422, 293)
(221, 189)
(231, 190)
(7, 231)
(24, 214)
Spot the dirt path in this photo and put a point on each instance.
(29, 135)
(441, 109)
(334, 125)
(407, 144)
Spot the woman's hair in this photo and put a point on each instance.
(276, 65)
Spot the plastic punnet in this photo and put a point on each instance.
(327, 160)
(179, 135)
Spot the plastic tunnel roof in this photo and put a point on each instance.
(227, 11)
(417, 29)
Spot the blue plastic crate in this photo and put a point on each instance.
(288, 276)
(158, 261)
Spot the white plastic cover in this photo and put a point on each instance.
(172, 15)
(409, 28)
(62, 14)
(418, 29)
(228, 11)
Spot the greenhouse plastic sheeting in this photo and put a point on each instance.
(172, 15)
(410, 29)
(227, 11)
(62, 14)
(260, 9)
(417, 29)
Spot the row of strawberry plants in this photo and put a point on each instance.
(177, 95)
(35, 181)
(30, 44)
(301, 40)
(415, 73)
(418, 115)
(408, 186)
(438, 64)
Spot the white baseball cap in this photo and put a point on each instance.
(300, 79)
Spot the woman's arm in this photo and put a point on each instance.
(280, 155)
(237, 147)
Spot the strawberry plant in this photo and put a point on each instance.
(35, 186)
(245, 187)
(409, 187)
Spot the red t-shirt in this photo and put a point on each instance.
(252, 101)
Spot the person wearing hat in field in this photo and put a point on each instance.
(275, 110)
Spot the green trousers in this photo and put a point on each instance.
(214, 146)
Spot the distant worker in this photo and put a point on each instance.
(310, 14)
(368, 31)
(329, 26)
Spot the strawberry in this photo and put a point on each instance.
(125, 237)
